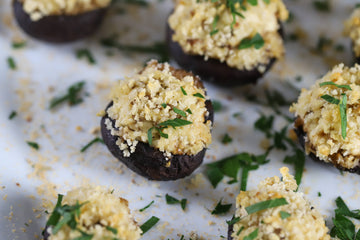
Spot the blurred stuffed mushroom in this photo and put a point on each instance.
(60, 20)
(158, 122)
(228, 42)
(352, 30)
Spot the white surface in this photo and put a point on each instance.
(46, 70)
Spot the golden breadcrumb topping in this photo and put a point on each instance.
(100, 212)
(301, 221)
(193, 24)
(321, 120)
(352, 30)
(152, 97)
(38, 9)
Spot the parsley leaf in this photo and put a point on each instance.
(256, 41)
(147, 206)
(172, 200)
(149, 224)
(221, 208)
(72, 95)
(334, 84)
(284, 214)
(266, 205)
(85, 53)
(95, 140)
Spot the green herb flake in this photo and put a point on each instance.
(183, 91)
(199, 95)
(180, 112)
(95, 140)
(334, 84)
(12, 115)
(284, 214)
(256, 41)
(226, 139)
(217, 106)
(85, 53)
(298, 159)
(34, 145)
(319, 194)
(322, 5)
(149, 224)
(252, 235)
(330, 99)
(11, 63)
(265, 124)
(221, 208)
(189, 111)
(164, 105)
(213, 26)
(343, 115)
(111, 229)
(176, 122)
(233, 221)
(72, 96)
(266, 205)
(240, 230)
(172, 200)
(18, 45)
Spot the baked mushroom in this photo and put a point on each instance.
(158, 122)
(328, 118)
(59, 20)
(227, 42)
(276, 211)
(91, 213)
(352, 30)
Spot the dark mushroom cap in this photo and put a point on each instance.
(59, 28)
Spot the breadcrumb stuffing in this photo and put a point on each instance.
(352, 30)
(304, 222)
(38, 9)
(100, 211)
(138, 105)
(192, 23)
(321, 120)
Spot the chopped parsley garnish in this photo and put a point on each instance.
(284, 214)
(72, 96)
(342, 103)
(256, 41)
(266, 205)
(11, 63)
(176, 122)
(172, 200)
(240, 230)
(111, 229)
(298, 159)
(147, 206)
(164, 105)
(221, 208)
(230, 167)
(12, 115)
(336, 85)
(233, 220)
(199, 95)
(95, 140)
(180, 112)
(149, 224)
(217, 106)
(34, 145)
(17, 45)
(322, 5)
(85, 53)
(226, 139)
(265, 124)
(65, 215)
(319, 194)
(213, 27)
(189, 111)
(252, 235)
(344, 228)
(183, 91)
(158, 48)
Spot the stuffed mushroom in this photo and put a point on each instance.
(158, 122)
(276, 211)
(59, 20)
(328, 118)
(227, 42)
(91, 213)
(352, 30)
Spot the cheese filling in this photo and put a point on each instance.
(322, 120)
(38, 9)
(102, 215)
(152, 97)
(198, 33)
(301, 221)
(352, 30)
